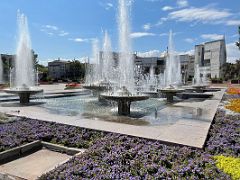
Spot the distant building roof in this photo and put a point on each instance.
(223, 39)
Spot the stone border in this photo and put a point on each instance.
(48, 96)
(29, 148)
(26, 149)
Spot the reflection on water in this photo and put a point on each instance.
(149, 112)
(17, 104)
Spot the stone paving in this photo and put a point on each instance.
(34, 165)
(187, 131)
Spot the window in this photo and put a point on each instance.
(206, 62)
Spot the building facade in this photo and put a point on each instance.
(66, 69)
(211, 56)
(57, 69)
(187, 67)
(8, 61)
(143, 65)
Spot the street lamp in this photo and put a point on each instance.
(238, 42)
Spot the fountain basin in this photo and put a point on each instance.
(199, 88)
(151, 94)
(170, 92)
(187, 95)
(124, 101)
(98, 86)
(95, 87)
(23, 93)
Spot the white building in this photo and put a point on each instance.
(210, 57)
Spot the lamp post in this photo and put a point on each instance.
(238, 42)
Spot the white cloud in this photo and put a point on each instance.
(190, 52)
(233, 53)
(49, 33)
(163, 34)
(161, 21)
(153, 0)
(189, 40)
(63, 33)
(106, 6)
(204, 15)
(233, 22)
(167, 8)
(147, 26)
(78, 39)
(55, 28)
(151, 53)
(141, 34)
(212, 36)
(182, 3)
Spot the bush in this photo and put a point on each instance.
(217, 80)
(235, 81)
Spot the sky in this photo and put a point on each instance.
(65, 28)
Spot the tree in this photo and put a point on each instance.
(76, 70)
(231, 71)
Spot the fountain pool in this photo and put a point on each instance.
(150, 112)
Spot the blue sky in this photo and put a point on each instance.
(65, 28)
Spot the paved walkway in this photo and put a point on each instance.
(186, 131)
(34, 165)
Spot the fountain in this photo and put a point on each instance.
(108, 63)
(1, 72)
(126, 92)
(172, 72)
(97, 78)
(199, 84)
(150, 84)
(23, 75)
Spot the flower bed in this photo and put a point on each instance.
(233, 90)
(123, 157)
(115, 156)
(73, 86)
(27, 130)
(234, 105)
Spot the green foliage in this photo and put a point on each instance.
(76, 70)
(42, 68)
(229, 165)
(231, 71)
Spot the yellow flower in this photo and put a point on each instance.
(234, 105)
(229, 165)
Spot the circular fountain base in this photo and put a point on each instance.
(170, 92)
(124, 102)
(24, 94)
(199, 88)
(151, 94)
(98, 87)
(97, 90)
